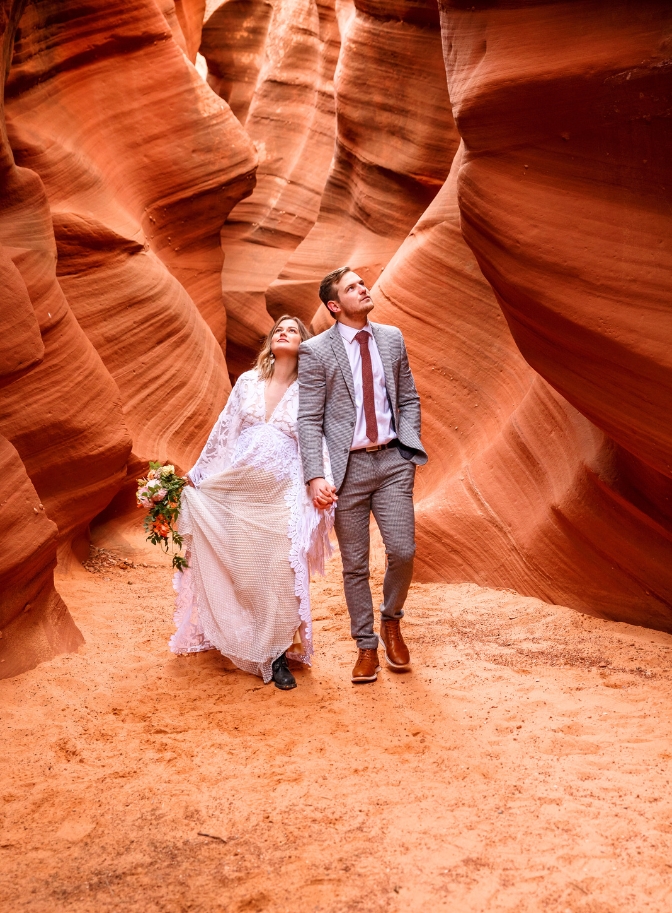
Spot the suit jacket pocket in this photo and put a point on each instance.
(407, 452)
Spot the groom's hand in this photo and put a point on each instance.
(321, 493)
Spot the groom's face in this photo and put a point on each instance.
(354, 300)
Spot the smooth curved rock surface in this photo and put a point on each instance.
(566, 197)
(521, 490)
(128, 167)
(126, 130)
(137, 233)
(34, 623)
(189, 15)
(170, 371)
(63, 415)
(21, 346)
(274, 63)
(395, 143)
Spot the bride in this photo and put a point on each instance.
(252, 535)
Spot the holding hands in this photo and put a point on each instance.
(322, 493)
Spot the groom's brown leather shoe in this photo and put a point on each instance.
(396, 651)
(366, 668)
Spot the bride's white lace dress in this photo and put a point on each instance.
(252, 537)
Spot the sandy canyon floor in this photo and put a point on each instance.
(523, 765)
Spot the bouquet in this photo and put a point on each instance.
(160, 494)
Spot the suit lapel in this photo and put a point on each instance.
(338, 346)
(386, 358)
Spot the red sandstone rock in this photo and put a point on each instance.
(274, 63)
(395, 143)
(34, 622)
(523, 491)
(170, 370)
(189, 15)
(119, 125)
(121, 214)
(21, 346)
(132, 184)
(565, 197)
(63, 415)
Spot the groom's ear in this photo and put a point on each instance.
(334, 313)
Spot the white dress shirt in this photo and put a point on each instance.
(383, 414)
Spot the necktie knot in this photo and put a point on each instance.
(362, 338)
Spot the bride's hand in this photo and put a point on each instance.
(190, 484)
(321, 493)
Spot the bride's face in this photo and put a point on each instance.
(286, 339)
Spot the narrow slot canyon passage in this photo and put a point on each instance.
(175, 177)
(524, 763)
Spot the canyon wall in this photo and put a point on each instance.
(562, 206)
(274, 64)
(153, 224)
(564, 198)
(395, 140)
(521, 491)
(119, 166)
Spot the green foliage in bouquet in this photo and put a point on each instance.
(160, 493)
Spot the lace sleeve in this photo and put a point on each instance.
(216, 455)
(328, 474)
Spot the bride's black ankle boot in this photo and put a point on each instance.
(282, 677)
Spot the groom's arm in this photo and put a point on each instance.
(312, 396)
(409, 398)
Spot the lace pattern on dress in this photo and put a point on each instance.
(242, 437)
(189, 636)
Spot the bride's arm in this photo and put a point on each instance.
(215, 456)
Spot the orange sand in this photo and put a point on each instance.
(523, 765)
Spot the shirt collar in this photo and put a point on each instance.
(349, 333)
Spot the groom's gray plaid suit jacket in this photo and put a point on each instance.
(327, 399)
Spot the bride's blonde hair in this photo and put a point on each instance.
(265, 358)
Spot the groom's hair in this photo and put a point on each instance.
(328, 287)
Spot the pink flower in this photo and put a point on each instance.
(143, 498)
(159, 495)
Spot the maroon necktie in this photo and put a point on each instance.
(367, 386)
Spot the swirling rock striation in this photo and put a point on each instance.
(119, 166)
(274, 63)
(393, 150)
(531, 284)
(34, 622)
(157, 157)
(138, 234)
(564, 199)
(521, 490)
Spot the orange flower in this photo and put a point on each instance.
(161, 526)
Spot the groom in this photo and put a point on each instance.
(356, 389)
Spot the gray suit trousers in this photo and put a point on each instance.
(382, 482)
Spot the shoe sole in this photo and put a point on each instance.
(285, 687)
(395, 665)
(363, 679)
